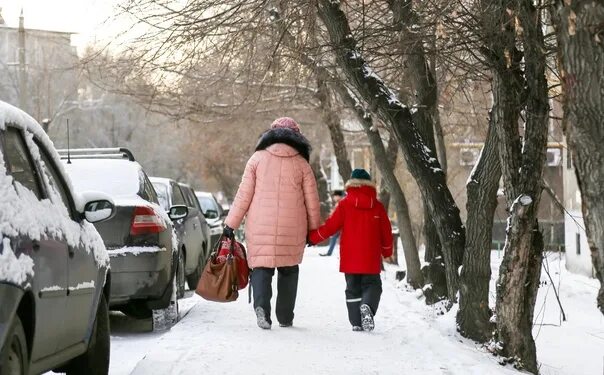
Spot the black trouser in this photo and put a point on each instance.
(362, 289)
(287, 288)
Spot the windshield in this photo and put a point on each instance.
(118, 178)
(206, 203)
(162, 195)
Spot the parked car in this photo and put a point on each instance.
(54, 268)
(213, 212)
(192, 231)
(193, 204)
(145, 261)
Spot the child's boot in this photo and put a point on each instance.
(367, 318)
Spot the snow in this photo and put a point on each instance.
(23, 214)
(116, 177)
(471, 177)
(135, 250)
(84, 285)
(525, 200)
(391, 96)
(54, 288)
(16, 117)
(410, 337)
(355, 55)
(571, 347)
(13, 269)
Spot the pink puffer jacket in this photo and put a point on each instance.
(278, 193)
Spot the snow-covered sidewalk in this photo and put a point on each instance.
(223, 338)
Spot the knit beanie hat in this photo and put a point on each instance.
(360, 174)
(286, 123)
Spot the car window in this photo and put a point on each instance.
(218, 206)
(206, 204)
(188, 199)
(56, 181)
(195, 201)
(149, 191)
(177, 197)
(19, 161)
(162, 195)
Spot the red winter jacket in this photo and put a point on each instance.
(366, 232)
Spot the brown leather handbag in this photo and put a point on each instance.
(219, 280)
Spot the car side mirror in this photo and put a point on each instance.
(178, 212)
(211, 214)
(99, 210)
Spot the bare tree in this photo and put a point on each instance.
(581, 57)
(422, 160)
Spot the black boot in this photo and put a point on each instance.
(261, 318)
(367, 318)
(261, 280)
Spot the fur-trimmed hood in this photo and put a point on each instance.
(357, 182)
(285, 136)
(361, 193)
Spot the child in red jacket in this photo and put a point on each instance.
(366, 236)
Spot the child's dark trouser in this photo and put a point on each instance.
(362, 289)
(287, 289)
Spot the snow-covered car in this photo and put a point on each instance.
(54, 268)
(192, 231)
(140, 239)
(213, 212)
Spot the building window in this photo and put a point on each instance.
(569, 159)
(578, 244)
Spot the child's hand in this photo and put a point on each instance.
(308, 243)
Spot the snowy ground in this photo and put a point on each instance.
(410, 337)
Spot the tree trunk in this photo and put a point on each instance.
(421, 160)
(384, 194)
(392, 155)
(581, 55)
(435, 269)
(417, 71)
(473, 318)
(332, 120)
(522, 169)
(324, 196)
(440, 141)
(384, 164)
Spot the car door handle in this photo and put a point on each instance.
(35, 245)
(71, 251)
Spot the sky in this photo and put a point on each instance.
(87, 18)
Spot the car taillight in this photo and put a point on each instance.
(146, 221)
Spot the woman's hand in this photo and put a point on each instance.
(228, 232)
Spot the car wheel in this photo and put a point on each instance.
(13, 358)
(95, 361)
(164, 319)
(193, 279)
(180, 275)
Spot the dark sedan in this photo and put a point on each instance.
(145, 261)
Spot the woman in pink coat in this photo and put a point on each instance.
(278, 196)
